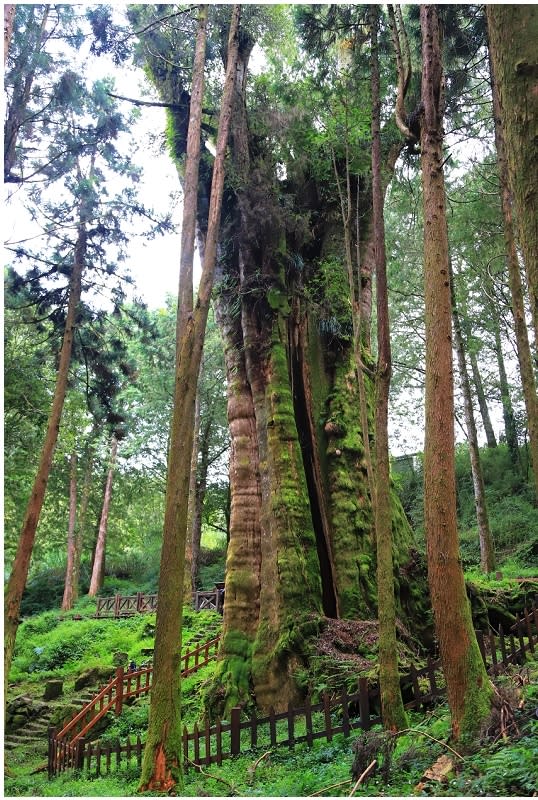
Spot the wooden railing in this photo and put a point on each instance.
(140, 603)
(207, 744)
(65, 745)
(126, 605)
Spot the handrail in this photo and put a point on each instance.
(120, 687)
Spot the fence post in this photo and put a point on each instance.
(364, 704)
(235, 731)
(51, 761)
(119, 690)
(480, 640)
(79, 754)
(139, 601)
(529, 630)
(117, 601)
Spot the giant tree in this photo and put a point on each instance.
(468, 687)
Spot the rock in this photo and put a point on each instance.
(120, 659)
(93, 677)
(61, 715)
(53, 689)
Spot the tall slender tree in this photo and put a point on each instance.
(468, 687)
(98, 570)
(394, 716)
(487, 550)
(161, 768)
(19, 572)
(67, 601)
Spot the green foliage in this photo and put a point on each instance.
(328, 288)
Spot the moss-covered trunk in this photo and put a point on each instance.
(301, 534)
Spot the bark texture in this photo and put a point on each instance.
(9, 15)
(468, 687)
(513, 33)
(524, 354)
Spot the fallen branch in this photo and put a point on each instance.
(422, 733)
(364, 775)
(252, 769)
(332, 786)
(214, 777)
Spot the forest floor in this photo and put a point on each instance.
(418, 762)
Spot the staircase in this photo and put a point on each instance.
(33, 735)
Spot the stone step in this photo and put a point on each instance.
(37, 727)
(17, 740)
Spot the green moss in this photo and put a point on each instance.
(477, 701)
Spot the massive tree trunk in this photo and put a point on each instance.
(98, 571)
(523, 349)
(487, 550)
(513, 33)
(19, 572)
(161, 767)
(69, 594)
(468, 687)
(298, 453)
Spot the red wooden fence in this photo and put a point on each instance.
(64, 747)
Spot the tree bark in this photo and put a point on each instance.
(510, 429)
(82, 517)
(513, 33)
(98, 571)
(21, 563)
(487, 549)
(491, 440)
(243, 562)
(523, 349)
(199, 498)
(68, 598)
(190, 586)
(161, 766)
(393, 713)
(9, 15)
(468, 687)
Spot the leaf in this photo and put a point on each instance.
(439, 770)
